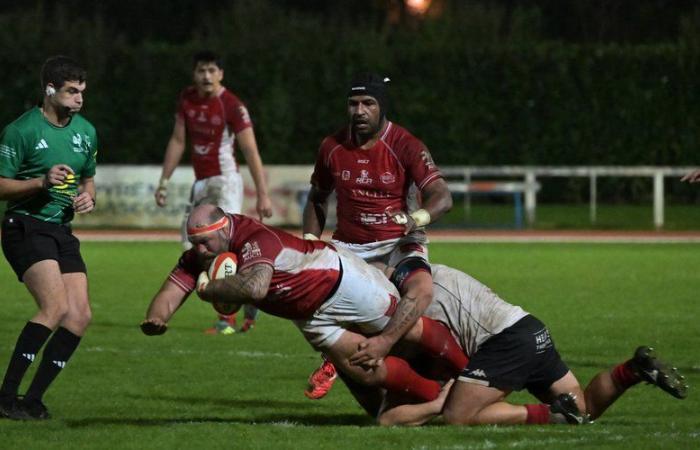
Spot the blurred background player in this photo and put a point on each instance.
(47, 165)
(214, 121)
(374, 166)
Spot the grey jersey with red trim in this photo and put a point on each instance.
(471, 310)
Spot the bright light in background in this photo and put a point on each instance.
(417, 7)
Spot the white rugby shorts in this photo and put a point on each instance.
(364, 302)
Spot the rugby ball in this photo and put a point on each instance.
(224, 265)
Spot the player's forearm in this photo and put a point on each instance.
(16, 189)
(173, 155)
(315, 213)
(412, 415)
(436, 199)
(168, 299)
(405, 316)
(252, 157)
(249, 286)
(88, 185)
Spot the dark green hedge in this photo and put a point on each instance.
(472, 102)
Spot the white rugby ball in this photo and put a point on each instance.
(224, 265)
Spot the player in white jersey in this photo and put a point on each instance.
(511, 350)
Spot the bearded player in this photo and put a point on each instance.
(324, 290)
(372, 165)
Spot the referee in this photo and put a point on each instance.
(47, 165)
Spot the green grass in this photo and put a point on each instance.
(570, 216)
(188, 390)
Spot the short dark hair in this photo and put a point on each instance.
(59, 69)
(207, 56)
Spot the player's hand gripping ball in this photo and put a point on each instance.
(224, 265)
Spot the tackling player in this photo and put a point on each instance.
(372, 165)
(214, 121)
(322, 289)
(511, 350)
(47, 165)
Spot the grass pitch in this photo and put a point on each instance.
(187, 390)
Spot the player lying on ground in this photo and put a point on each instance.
(321, 288)
(510, 350)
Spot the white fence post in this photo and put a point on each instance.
(530, 197)
(659, 199)
(594, 197)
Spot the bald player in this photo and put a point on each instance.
(321, 288)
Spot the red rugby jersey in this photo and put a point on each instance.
(305, 272)
(211, 124)
(368, 182)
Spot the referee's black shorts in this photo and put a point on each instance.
(26, 241)
(522, 356)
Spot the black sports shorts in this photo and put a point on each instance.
(26, 240)
(522, 356)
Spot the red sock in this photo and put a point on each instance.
(439, 342)
(537, 414)
(624, 376)
(400, 377)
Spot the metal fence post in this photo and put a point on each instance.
(530, 197)
(658, 199)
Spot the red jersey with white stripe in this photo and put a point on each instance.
(212, 124)
(368, 182)
(305, 272)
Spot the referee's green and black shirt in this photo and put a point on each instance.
(31, 145)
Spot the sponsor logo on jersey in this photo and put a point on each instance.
(216, 120)
(373, 219)
(201, 117)
(81, 144)
(478, 373)
(345, 175)
(542, 340)
(370, 194)
(427, 159)
(41, 145)
(364, 178)
(191, 113)
(69, 187)
(251, 250)
(200, 149)
(387, 178)
(363, 161)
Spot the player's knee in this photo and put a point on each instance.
(55, 310)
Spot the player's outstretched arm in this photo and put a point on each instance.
(315, 212)
(250, 285)
(249, 147)
(692, 177)
(168, 299)
(173, 155)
